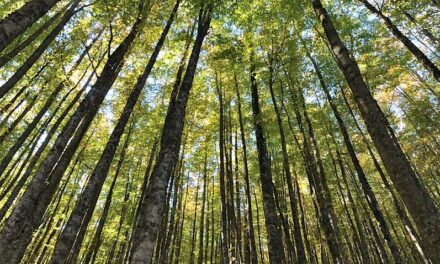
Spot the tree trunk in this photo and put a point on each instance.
(251, 233)
(23, 69)
(169, 150)
(202, 216)
(17, 231)
(421, 57)
(425, 31)
(90, 196)
(19, 20)
(300, 254)
(273, 226)
(29, 128)
(11, 54)
(371, 197)
(420, 205)
(224, 207)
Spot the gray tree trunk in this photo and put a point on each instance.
(169, 151)
(416, 198)
(19, 20)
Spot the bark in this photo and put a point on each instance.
(169, 150)
(224, 207)
(300, 253)
(19, 20)
(202, 216)
(273, 226)
(11, 54)
(420, 56)
(20, 117)
(30, 209)
(29, 128)
(23, 69)
(420, 205)
(21, 91)
(371, 197)
(90, 196)
(425, 31)
(97, 239)
(317, 179)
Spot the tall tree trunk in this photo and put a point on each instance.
(137, 212)
(201, 256)
(17, 231)
(90, 196)
(260, 246)
(273, 226)
(97, 238)
(253, 246)
(29, 128)
(420, 205)
(19, 20)
(194, 230)
(23, 69)
(223, 198)
(169, 150)
(230, 188)
(239, 224)
(300, 253)
(371, 197)
(20, 184)
(317, 178)
(11, 54)
(421, 57)
(21, 91)
(425, 31)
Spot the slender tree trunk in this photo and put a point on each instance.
(19, 20)
(224, 207)
(421, 57)
(227, 144)
(90, 196)
(23, 69)
(29, 128)
(201, 256)
(97, 239)
(194, 230)
(300, 254)
(420, 205)
(425, 31)
(17, 231)
(21, 91)
(371, 197)
(260, 246)
(238, 203)
(273, 226)
(253, 246)
(169, 150)
(137, 213)
(11, 54)
(14, 124)
(317, 179)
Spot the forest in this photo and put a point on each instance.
(219, 131)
